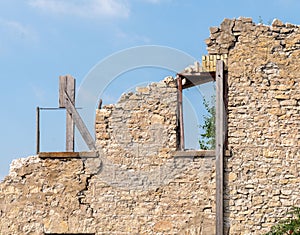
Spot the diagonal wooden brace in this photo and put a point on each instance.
(79, 122)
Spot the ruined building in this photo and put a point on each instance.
(139, 183)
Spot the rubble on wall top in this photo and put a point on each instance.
(167, 82)
(21, 162)
(223, 38)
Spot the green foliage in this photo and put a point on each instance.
(288, 226)
(208, 140)
(261, 21)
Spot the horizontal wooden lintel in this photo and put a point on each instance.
(195, 79)
(198, 153)
(68, 154)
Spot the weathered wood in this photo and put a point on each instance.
(37, 130)
(62, 88)
(70, 128)
(68, 155)
(195, 79)
(79, 123)
(67, 85)
(194, 153)
(220, 137)
(100, 104)
(198, 153)
(180, 113)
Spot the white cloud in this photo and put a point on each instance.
(85, 8)
(17, 30)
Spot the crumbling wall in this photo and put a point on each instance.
(141, 129)
(262, 176)
(44, 196)
(136, 186)
(143, 189)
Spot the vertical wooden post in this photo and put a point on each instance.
(37, 130)
(220, 138)
(180, 113)
(67, 86)
(69, 119)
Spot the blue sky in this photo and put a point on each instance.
(42, 39)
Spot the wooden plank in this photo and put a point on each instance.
(37, 130)
(70, 128)
(198, 153)
(67, 85)
(180, 113)
(194, 153)
(62, 88)
(68, 155)
(195, 79)
(220, 131)
(80, 124)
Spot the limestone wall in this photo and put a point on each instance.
(44, 196)
(262, 176)
(135, 186)
(141, 129)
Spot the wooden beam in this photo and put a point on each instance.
(79, 123)
(194, 153)
(68, 155)
(220, 138)
(195, 79)
(37, 130)
(67, 85)
(198, 153)
(70, 128)
(62, 89)
(180, 113)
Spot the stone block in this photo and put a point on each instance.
(227, 25)
(163, 226)
(277, 23)
(232, 176)
(157, 119)
(282, 97)
(144, 90)
(214, 30)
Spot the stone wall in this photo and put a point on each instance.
(44, 196)
(135, 186)
(262, 176)
(141, 129)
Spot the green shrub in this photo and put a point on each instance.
(288, 226)
(208, 139)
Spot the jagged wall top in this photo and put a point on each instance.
(225, 37)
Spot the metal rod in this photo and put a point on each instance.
(37, 130)
(58, 108)
(51, 108)
(180, 113)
